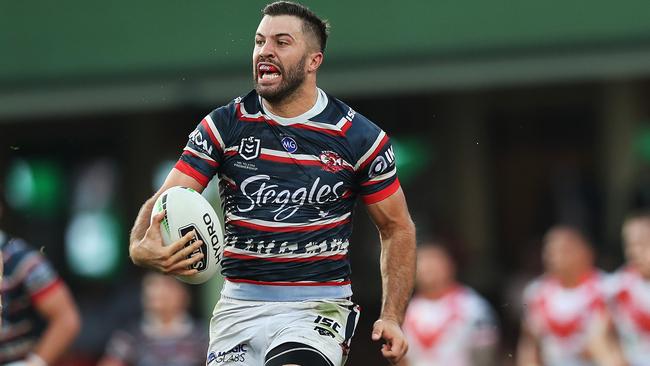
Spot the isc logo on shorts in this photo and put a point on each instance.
(326, 326)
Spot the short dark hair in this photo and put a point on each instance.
(311, 22)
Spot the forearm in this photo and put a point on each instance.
(141, 223)
(397, 270)
(59, 334)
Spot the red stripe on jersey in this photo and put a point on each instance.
(375, 153)
(231, 153)
(280, 259)
(187, 169)
(209, 162)
(42, 293)
(285, 159)
(383, 194)
(239, 280)
(215, 142)
(293, 160)
(346, 127)
(287, 229)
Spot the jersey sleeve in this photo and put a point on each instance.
(203, 153)
(376, 167)
(40, 278)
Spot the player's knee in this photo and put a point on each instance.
(296, 354)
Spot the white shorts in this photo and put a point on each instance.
(242, 331)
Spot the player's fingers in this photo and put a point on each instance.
(157, 218)
(180, 243)
(185, 252)
(377, 330)
(398, 348)
(186, 264)
(154, 227)
(185, 272)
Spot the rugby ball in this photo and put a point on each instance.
(186, 210)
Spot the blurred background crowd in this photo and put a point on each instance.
(508, 118)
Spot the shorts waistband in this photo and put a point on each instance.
(265, 292)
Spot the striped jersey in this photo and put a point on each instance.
(28, 278)
(288, 188)
(564, 318)
(629, 301)
(447, 330)
(184, 343)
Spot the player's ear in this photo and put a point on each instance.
(315, 60)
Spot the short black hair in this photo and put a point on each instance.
(311, 22)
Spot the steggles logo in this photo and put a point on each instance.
(249, 148)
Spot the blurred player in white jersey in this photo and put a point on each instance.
(566, 321)
(447, 323)
(630, 291)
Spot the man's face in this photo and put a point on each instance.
(637, 245)
(162, 296)
(434, 268)
(279, 57)
(565, 252)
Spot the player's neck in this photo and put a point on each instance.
(572, 280)
(438, 292)
(301, 101)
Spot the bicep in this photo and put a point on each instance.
(178, 178)
(56, 301)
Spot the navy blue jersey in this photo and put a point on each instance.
(289, 186)
(28, 278)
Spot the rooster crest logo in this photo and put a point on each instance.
(332, 162)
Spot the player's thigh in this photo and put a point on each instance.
(293, 353)
(324, 326)
(235, 338)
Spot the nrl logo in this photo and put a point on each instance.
(249, 148)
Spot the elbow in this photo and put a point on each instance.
(404, 228)
(72, 321)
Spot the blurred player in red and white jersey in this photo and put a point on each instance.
(630, 291)
(447, 323)
(566, 321)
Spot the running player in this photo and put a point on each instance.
(447, 323)
(630, 291)
(292, 160)
(39, 318)
(565, 321)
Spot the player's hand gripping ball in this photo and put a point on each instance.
(187, 210)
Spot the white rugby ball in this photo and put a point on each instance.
(187, 210)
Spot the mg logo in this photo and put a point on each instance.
(249, 148)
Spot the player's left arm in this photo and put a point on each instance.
(58, 308)
(397, 235)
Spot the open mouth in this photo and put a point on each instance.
(267, 71)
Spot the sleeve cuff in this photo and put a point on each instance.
(187, 169)
(383, 194)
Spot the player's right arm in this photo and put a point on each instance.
(146, 248)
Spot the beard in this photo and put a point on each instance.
(292, 79)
